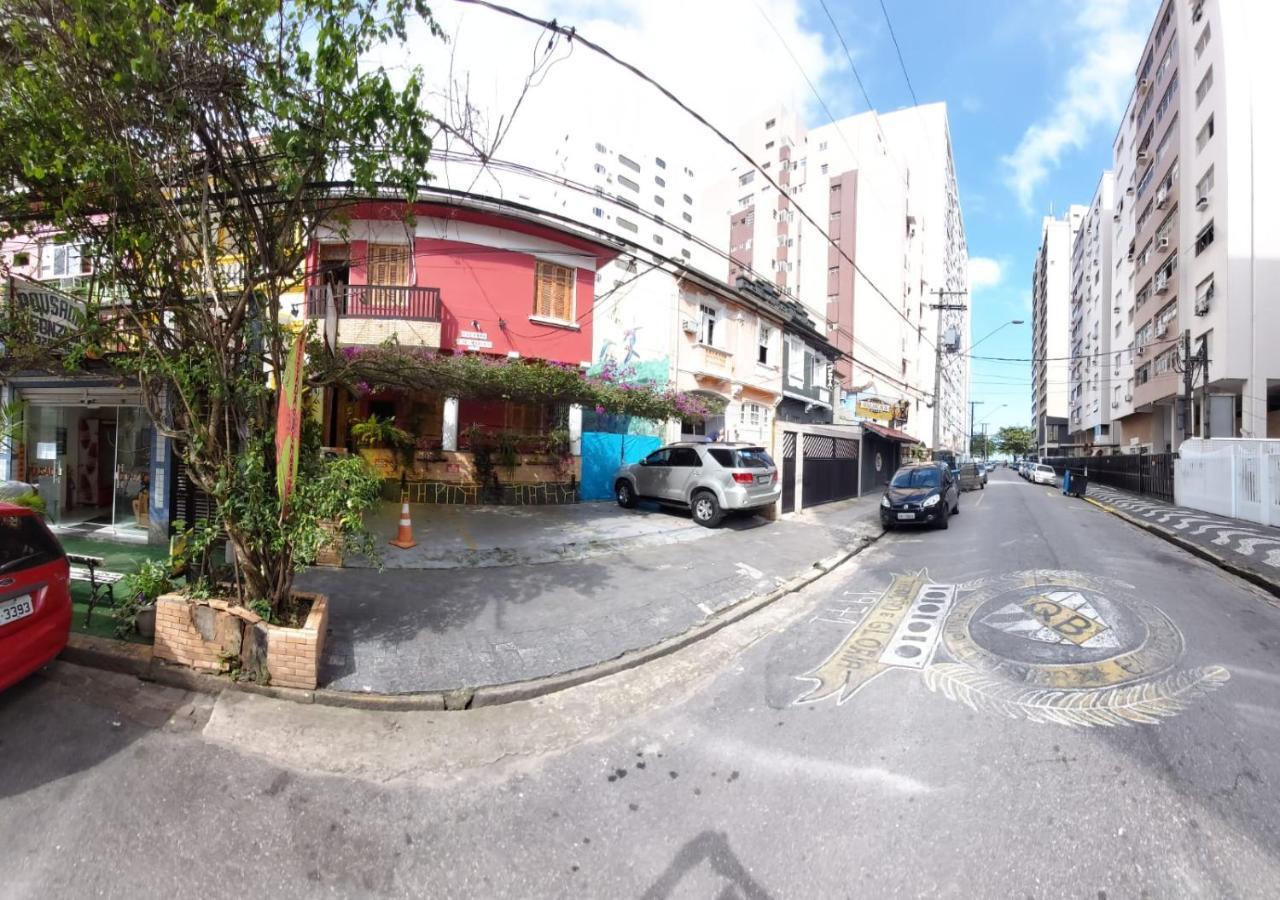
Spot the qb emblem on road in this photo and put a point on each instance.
(1047, 646)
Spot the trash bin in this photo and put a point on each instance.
(1066, 481)
(1079, 484)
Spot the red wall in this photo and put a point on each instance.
(491, 290)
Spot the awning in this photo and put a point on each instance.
(885, 431)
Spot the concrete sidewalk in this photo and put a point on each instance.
(410, 631)
(459, 537)
(1245, 549)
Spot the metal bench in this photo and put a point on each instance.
(87, 569)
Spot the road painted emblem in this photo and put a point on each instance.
(1046, 646)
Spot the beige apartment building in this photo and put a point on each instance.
(1196, 245)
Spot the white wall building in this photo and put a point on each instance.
(1199, 181)
(1090, 398)
(883, 188)
(1050, 331)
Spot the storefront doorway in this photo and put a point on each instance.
(90, 460)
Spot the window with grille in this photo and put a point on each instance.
(553, 292)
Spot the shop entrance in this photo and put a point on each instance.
(90, 462)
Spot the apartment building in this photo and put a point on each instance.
(637, 186)
(1050, 331)
(1195, 168)
(863, 227)
(1090, 390)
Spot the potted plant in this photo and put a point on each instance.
(381, 443)
(135, 611)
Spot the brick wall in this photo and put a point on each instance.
(210, 634)
(293, 654)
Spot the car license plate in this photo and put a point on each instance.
(763, 479)
(906, 516)
(15, 609)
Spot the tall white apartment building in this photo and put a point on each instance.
(1197, 174)
(883, 188)
(1090, 398)
(645, 190)
(1050, 331)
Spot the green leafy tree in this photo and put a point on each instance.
(1016, 440)
(191, 149)
(981, 445)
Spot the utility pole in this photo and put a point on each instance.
(986, 447)
(972, 404)
(1203, 358)
(1188, 383)
(941, 306)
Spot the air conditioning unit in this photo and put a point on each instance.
(1144, 156)
(1202, 203)
(1197, 13)
(1162, 284)
(1162, 330)
(1202, 303)
(1115, 217)
(1144, 85)
(1162, 197)
(1115, 310)
(1115, 404)
(1128, 398)
(1130, 190)
(688, 326)
(1162, 242)
(1141, 351)
(67, 284)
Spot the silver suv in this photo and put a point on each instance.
(707, 478)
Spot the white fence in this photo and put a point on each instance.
(1230, 477)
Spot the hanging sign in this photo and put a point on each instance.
(53, 313)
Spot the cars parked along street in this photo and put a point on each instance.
(920, 494)
(1042, 474)
(709, 478)
(35, 594)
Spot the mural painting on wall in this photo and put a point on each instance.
(621, 358)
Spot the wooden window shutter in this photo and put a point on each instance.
(388, 266)
(553, 292)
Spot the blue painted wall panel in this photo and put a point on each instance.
(602, 454)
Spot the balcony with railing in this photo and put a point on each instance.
(369, 314)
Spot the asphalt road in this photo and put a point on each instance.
(1089, 712)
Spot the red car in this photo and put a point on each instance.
(35, 594)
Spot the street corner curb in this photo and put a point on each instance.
(496, 695)
(88, 653)
(1255, 578)
(104, 653)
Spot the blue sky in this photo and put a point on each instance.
(1040, 75)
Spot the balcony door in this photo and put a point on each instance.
(388, 275)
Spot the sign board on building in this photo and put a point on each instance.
(53, 313)
(474, 340)
(875, 408)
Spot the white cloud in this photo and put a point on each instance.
(984, 272)
(1108, 38)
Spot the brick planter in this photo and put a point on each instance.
(212, 634)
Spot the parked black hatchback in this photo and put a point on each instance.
(920, 494)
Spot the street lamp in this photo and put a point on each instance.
(1005, 325)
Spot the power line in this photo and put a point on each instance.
(897, 48)
(702, 120)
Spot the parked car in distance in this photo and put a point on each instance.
(1042, 474)
(35, 594)
(710, 479)
(920, 494)
(970, 477)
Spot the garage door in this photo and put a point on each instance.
(830, 469)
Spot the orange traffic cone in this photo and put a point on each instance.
(404, 539)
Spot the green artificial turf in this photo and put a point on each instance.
(117, 557)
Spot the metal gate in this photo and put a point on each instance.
(788, 471)
(830, 469)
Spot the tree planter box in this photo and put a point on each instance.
(211, 635)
